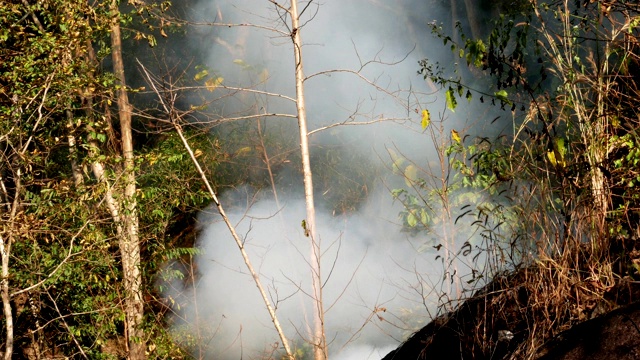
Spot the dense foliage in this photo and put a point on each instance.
(57, 106)
(564, 75)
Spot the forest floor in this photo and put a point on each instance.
(615, 335)
(505, 320)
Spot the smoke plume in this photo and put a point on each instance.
(381, 284)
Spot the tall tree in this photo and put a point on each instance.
(319, 340)
(128, 237)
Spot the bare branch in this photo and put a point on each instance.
(229, 25)
(357, 73)
(352, 123)
(223, 214)
(280, 6)
(238, 89)
(40, 116)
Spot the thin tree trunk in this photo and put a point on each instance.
(454, 18)
(223, 214)
(5, 252)
(5, 249)
(472, 17)
(239, 243)
(597, 152)
(267, 161)
(319, 340)
(129, 243)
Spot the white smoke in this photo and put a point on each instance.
(376, 281)
(381, 284)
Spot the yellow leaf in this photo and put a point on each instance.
(410, 175)
(243, 151)
(426, 119)
(556, 159)
(551, 155)
(197, 107)
(398, 162)
(199, 76)
(455, 136)
(197, 153)
(213, 83)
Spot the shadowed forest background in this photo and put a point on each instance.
(311, 180)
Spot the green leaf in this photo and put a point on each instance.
(424, 217)
(502, 95)
(451, 100)
(561, 148)
(412, 220)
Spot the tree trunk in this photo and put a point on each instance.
(597, 153)
(5, 252)
(472, 17)
(310, 229)
(128, 242)
(5, 249)
(76, 172)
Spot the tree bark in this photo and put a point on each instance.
(128, 242)
(5, 250)
(319, 340)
